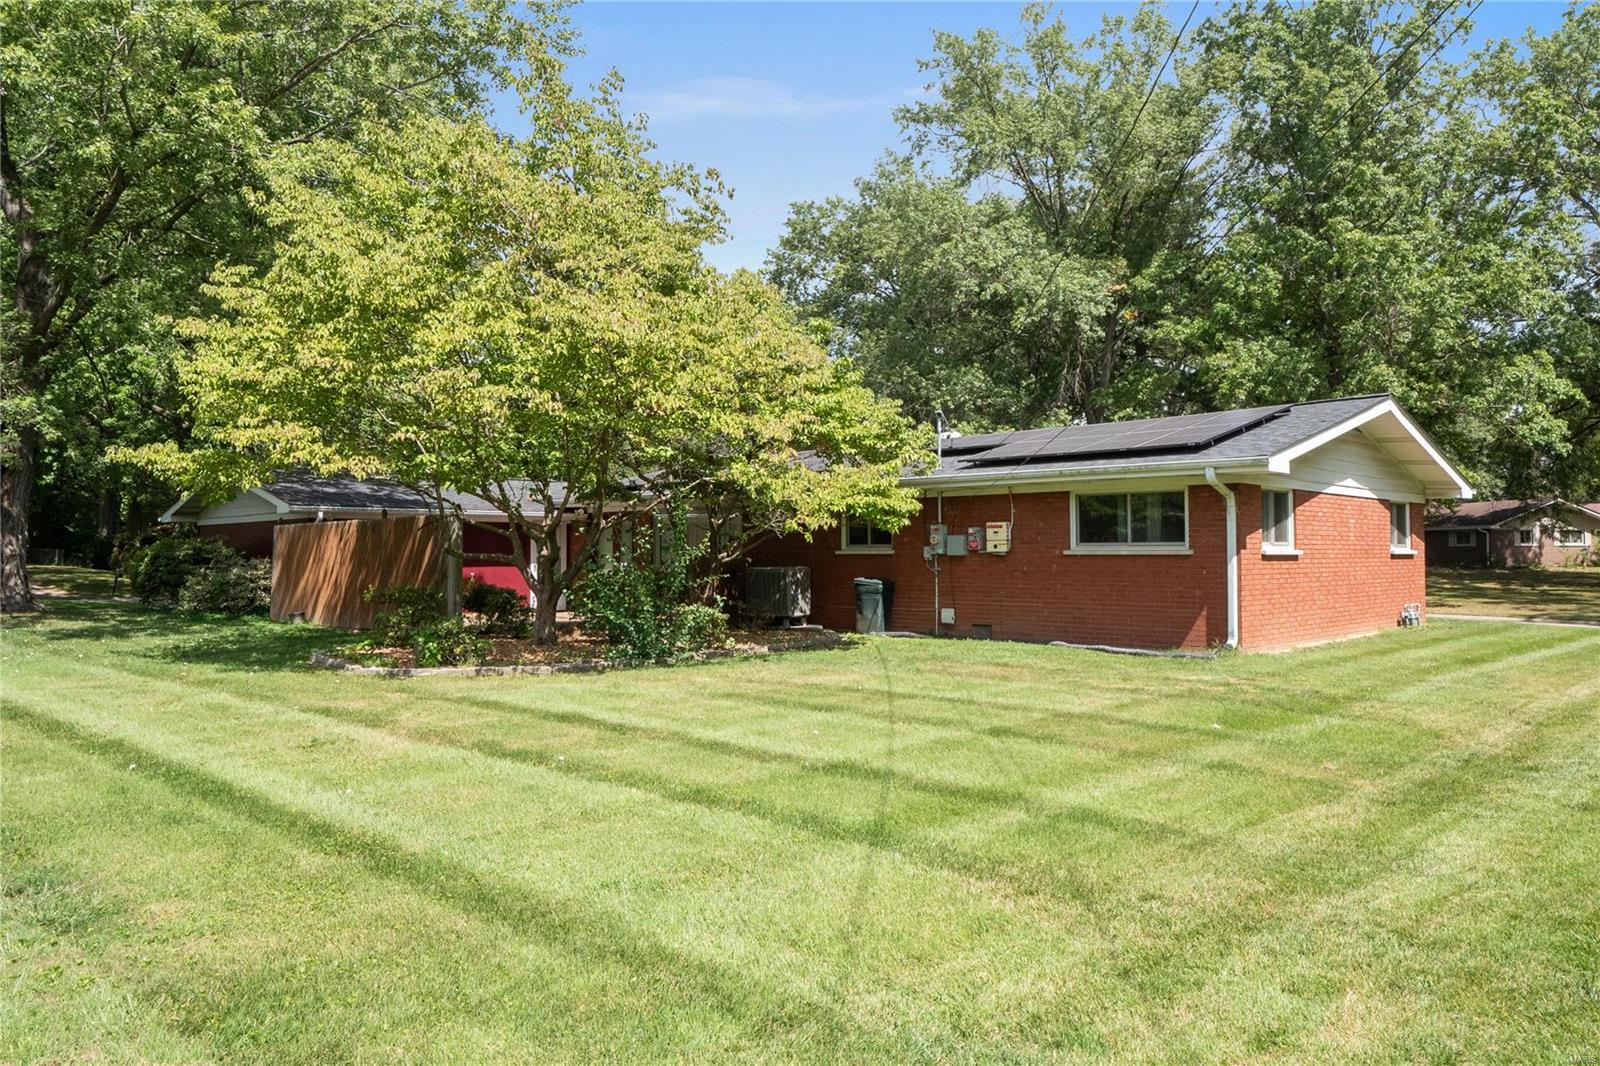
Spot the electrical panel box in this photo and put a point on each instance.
(997, 538)
(955, 544)
(974, 538)
(936, 535)
(947, 616)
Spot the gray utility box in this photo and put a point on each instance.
(777, 593)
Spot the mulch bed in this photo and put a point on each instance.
(574, 652)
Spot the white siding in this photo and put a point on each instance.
(1354, 465)
(246, 507)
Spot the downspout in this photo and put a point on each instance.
(1231, 503)
(937, 551)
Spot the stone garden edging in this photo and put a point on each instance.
(322, 660)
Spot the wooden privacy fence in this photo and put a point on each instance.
(320, 569)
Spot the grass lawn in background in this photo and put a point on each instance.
(1381, 850)
(1564, 595)
(75, 581)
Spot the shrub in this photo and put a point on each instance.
(447, 642)
(697, 626)
(159, 570)
(401, 611)
(639, 608)
(240, 588)
(505, 612)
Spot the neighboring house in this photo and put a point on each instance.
(248, 520)
(1260, 528)
(1548, 532)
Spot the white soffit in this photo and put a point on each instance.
(1389, 427)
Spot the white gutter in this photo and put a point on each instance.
(988, 478)
(1232, 506)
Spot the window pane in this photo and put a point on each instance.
(1276, 508)
(1400, 525)
(1102, 520)
(1524, 536)
(857, 533)
(1157, 517)
(879, 537)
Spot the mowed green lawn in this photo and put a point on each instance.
(1376, 851)
(1564, 595)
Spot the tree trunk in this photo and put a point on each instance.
(16, 496)
(545, 594)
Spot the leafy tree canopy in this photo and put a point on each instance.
(528, 321)
(134, 138)
(1279, 203)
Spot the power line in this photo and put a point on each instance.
(1116, 155)
(1216, 242)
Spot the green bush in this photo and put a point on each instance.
(401, 611)
(159, 570)
(448, 642)
(505, 612)
(641, 610)
(697, 626)
(240, 588)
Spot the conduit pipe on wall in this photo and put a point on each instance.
(1231, 503)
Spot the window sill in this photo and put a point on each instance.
(1401, 553)
(1128, 550)
(1282, 552)
(865, 551)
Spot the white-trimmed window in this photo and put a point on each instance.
(1526, 538)
(1463, 538)
(1130, 521)
(861, 536)
(1568, 537)
(1277, 521)
(1400, 527)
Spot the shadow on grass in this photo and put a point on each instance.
(1528, 592)
(173, 637)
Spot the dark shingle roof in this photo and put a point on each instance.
(1278, 428)
(307, 492)
(1474, 514)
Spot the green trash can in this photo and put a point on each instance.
(873, 599)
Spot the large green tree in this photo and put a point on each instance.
(529, 321)
(1368, 236)
(133, 135)
(1283, 202)
(1005, 270)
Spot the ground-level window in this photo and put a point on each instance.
(1277, 519)
(1463, 538)
(1156, 519)
(1524, 537)
(1400, 526)
(860, 535)
(1571, 538)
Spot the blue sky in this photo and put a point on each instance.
(793, 101)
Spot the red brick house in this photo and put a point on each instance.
(1547, 532)
(1261, 528)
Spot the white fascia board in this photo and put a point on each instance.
(983, 479)
(1280, 462)
(171, 513)
(279, 505)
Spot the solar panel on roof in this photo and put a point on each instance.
(1178, 433)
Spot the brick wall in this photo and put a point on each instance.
(1344, 583)
(1035, 592)
(1506, 550)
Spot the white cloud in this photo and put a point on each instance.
(730, 97)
